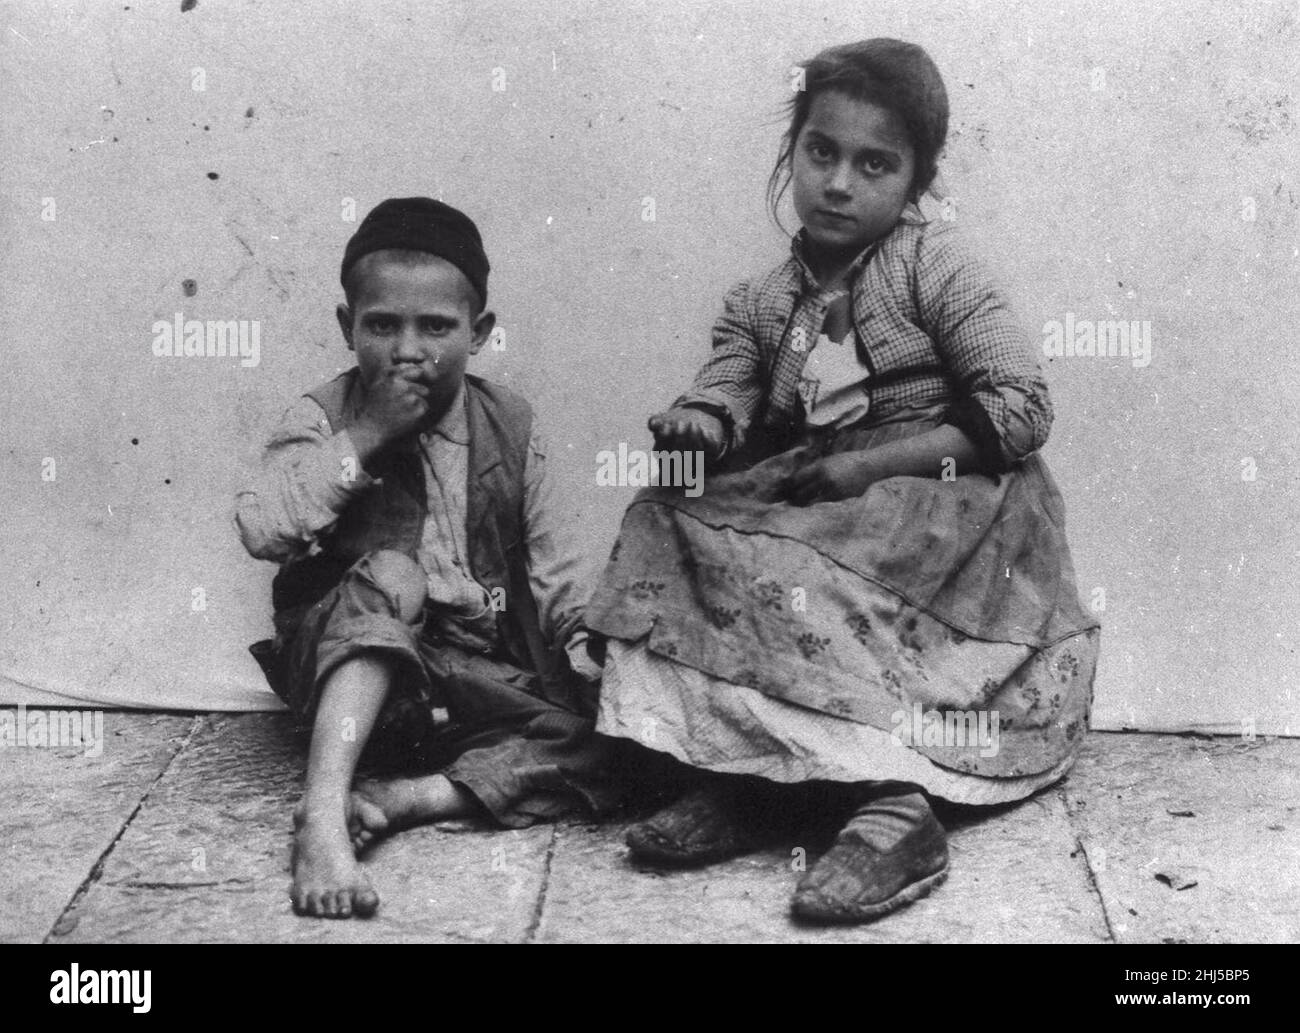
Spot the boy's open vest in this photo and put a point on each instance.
(390, 514)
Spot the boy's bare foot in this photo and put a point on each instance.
(380, 808)
(368, 819)
(327, 881)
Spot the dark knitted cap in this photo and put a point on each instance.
(421, 224)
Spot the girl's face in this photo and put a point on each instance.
(852, 172)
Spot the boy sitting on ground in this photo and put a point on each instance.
(427, 607)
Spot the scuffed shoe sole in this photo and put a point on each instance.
(649, 846)
(810, 906)
(704, 827)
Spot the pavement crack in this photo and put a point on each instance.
(1081, 849)
(63, 924)
(142, 885)
(534, 923)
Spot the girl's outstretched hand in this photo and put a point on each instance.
(844, 475)
(689, 430)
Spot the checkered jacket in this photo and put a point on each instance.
(932, 329)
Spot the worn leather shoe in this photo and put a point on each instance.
(892, 851)
(708, 824)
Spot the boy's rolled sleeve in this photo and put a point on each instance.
(1002, 404)
(307, 476)
(730, 383)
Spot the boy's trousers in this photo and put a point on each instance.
(472, 717)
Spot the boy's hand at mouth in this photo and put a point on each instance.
(396, 404)
(685, 429)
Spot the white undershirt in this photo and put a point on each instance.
(833, 383)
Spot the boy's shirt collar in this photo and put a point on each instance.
(454, 425)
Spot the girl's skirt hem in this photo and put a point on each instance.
(709, 723)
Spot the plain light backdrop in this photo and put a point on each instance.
(1113, 160)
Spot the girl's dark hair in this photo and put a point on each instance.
(896, 75)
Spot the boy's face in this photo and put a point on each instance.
(414, 317)
(852, 171)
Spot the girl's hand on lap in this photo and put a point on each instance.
(844, 475)
(690, 430)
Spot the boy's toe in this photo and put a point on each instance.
(367, 822)
(304, 903)
(331, 903)
(365, 902)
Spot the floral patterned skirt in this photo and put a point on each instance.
(932, 624)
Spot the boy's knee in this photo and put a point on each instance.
(401, 579)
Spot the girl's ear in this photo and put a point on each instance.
(483, 327)
(344, 315)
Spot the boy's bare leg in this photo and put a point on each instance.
(379, 808)
(327, 881)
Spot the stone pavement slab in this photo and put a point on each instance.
(1015, 877)
(1192, 839)
(207, 860)
(64, 807)
(180, 832)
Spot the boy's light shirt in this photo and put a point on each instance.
(443, 548)
(309, 475)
